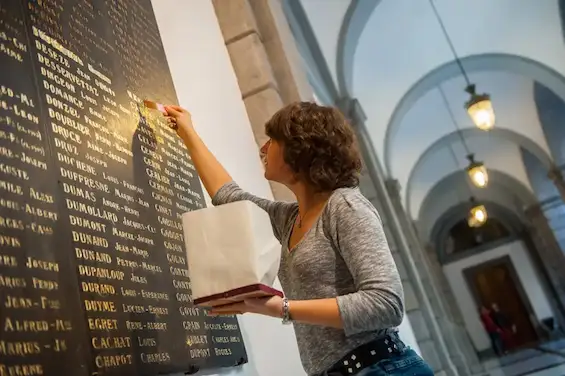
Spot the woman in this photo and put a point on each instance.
(343, 291)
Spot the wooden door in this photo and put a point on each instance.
(496, 282)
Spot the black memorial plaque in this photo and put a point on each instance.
(93, 275)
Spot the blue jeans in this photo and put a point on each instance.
(408, 363)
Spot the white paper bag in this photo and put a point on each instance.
(228, 247)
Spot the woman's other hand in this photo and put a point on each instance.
(180, 120)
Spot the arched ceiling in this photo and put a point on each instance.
(399, 66)
(453, 215)
(453, 189)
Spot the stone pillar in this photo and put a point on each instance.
(260, 46)
(550, 255)
(433, 279)
(556, 176)
(417, 303)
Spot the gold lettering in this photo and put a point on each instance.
(81, 237)
(41, 213)
(102, 343)
(17, 302)
(197, 340)
(41, 229)
(87, 223)
(98, 288)
(123, 234)
(102, 324)
(89, 255)
(146, 342)
(21, 370)
(42, 284)
(132, 187)
(157, 310)
(222, 352)
(35, 326)
(173, 246)
(199, 353)
(122, 195)
(156, 326)
(112, 361)
(33, 161)
(65, 146)
(12, 223)
(88, 182)
(12, 282)
(155, 357)
(41, 196)
(32, 263)
(134, 325)
(151, 267)
(179, 271)
(79, 192)
(189, 311)
(79, 165)
(183, 297)
(9, 204)
(10, 261)
(99, 306)
(132, 308)
(19, 348)
(154, 295)
(191, 325)
(13, 171)
(126, 263)
(50, 303)
(25, 115)
(92, 271)
(181, 284)
(138, 279)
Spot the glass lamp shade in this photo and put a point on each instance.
(477, 216)
(478, 174)
(480, 109)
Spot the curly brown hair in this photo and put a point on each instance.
(318, 144)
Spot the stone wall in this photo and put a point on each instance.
(266, 63)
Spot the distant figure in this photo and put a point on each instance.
(503, 322)
(493, 331)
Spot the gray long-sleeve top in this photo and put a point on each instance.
(344, 255)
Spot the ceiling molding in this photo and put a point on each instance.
(504, 189)
(354, 22)
(498, 133)
(519, 65)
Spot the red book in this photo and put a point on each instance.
(237, 295)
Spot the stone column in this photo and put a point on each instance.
(417, 303)
(260, 47)
(556, 176)
(433, 279)
(550, 254)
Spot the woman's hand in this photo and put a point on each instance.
(180, 120)
(272, 306)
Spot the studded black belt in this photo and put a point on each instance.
(367, 355)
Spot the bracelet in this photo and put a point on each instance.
(286, 312)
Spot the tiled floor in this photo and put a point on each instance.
(530, 362)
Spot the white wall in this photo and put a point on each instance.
(206, 85)
(526, 273)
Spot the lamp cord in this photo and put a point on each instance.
(444, 30)
(452, 116)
